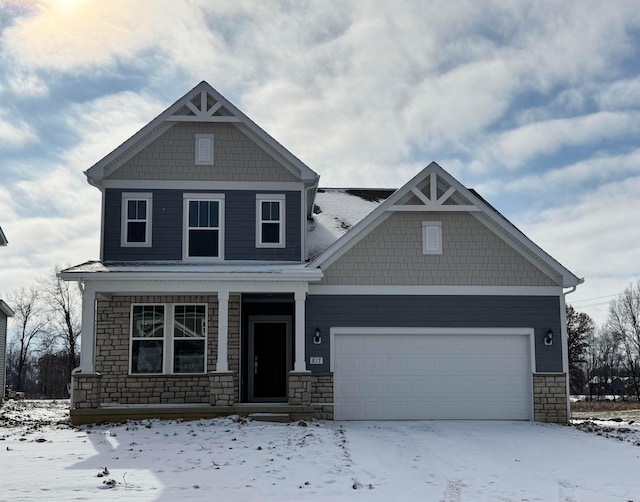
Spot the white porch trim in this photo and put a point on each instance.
(223, 331)
(88, 333)
(300, 363)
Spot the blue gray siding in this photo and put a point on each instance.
(240, 227)
(537, 312)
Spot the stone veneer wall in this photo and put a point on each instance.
(86, 390)
(312, 389)
(112, 354)
(550, 397)
(322, 395)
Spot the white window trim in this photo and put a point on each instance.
(168, 339)
(126, 197)
(198, 160)
(187, 197)
(281, 199)
(426, 227)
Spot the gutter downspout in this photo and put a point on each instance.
(565, 341)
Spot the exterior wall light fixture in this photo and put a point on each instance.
(548, 339)
(317, 338)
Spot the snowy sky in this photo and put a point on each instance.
(534, 104)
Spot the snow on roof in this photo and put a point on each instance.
(337, 210)
(180, 266)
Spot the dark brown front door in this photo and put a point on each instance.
(269, 356)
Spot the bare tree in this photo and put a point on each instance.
(63, 303)
(31, 324)
(624, 324)
(579, 328)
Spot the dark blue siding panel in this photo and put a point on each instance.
(240, 227)
(537, 312)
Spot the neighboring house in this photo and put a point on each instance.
(228, 283)
(5, 313)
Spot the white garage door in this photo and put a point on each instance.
(398, 374)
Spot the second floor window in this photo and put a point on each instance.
(204, 219)
(136, 220)
(270, 220)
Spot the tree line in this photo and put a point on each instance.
(43, 339)
(605, 360)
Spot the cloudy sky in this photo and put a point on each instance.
(534, 104)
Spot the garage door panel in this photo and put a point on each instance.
(400, 376)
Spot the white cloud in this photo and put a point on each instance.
(517, 147)
(595, 235)
(15, 133)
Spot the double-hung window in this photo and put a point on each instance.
(136, 220)
(168, 338)
(270, 220)
(203, 226)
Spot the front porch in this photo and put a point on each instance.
(257, 411)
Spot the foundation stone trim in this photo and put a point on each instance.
(550, 397)
(86, 390)
(222, 388)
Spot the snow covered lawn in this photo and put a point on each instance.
(233, 459)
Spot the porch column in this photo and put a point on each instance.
(300, 362)
(223, 330)
(88, 333)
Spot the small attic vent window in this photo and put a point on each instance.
(432, 237)
(204, 149)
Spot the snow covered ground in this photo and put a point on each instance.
(231, 459)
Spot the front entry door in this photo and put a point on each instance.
(269, 357)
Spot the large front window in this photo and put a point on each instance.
(168, 339)
(204, 217)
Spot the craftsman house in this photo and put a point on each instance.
(228, 282)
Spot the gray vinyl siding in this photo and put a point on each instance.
(537, 312)
(167, 221)
(3, 353)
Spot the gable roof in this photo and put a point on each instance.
(434, 189)
(201, 104)
(3, 238)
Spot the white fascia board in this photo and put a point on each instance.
(322, 289)
(195, 277)
(177, 286)
(6, 309)
(204, 185)
(3, 238)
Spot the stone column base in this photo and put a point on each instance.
(300, 387)
(86, 390)
(550, 398)
(221, 388)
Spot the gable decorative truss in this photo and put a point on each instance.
(202, 104)
(433, 201)
(434, 189)
(203, 108)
